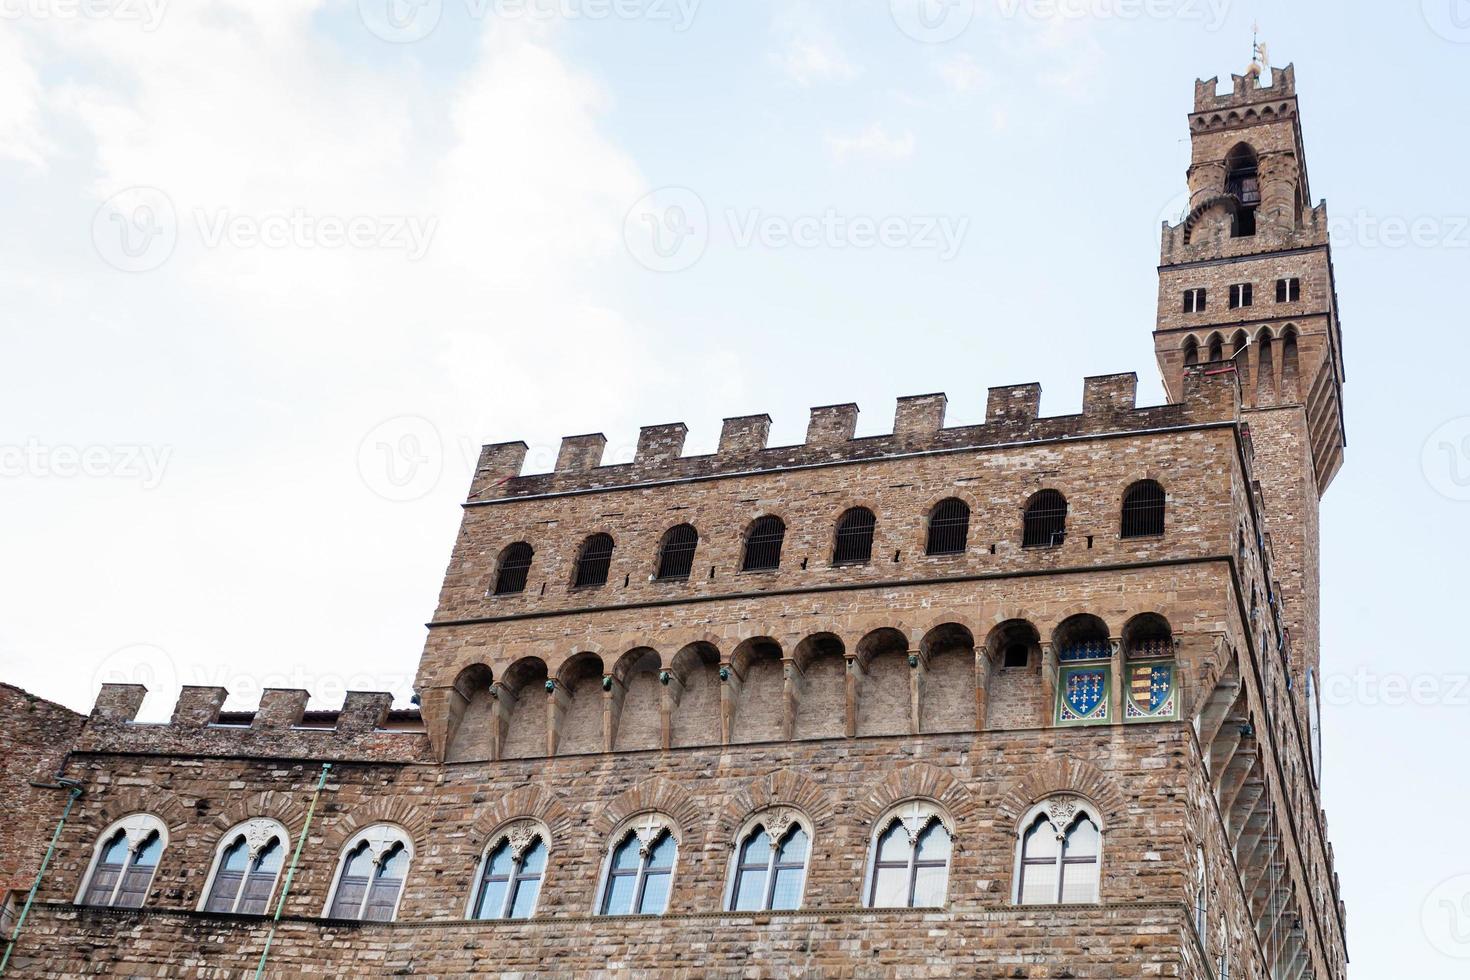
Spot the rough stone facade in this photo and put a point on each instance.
(1148, 682)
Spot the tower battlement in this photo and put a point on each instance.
(1245, 90)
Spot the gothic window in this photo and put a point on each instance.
(1191, 352)
(640, 869)
(594, 561)
(370, 880)
(769, 871)
(1059, 854)
(1242, 295)
(125, 862)
(510, 874)
(1288, 290)
(763, 545)
(515, 566)
(949, 527)
(676, 553)
(1143, 510)
(1045, 523)
(1217, 347)
(854, 544)
(1195, 300)
(246, 868)
(909, 859)
(1243, 182)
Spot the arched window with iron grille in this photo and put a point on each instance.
(1143, 510)
(1045, 523)
(676, 553)
(515, 566)
(949, 527)
(763, 545)
(593, 561)
(854, 545)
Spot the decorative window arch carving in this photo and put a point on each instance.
(769, 861)
(909, 857)
(638, 870)
(247, 866)
(1059, 849)
(511, 870)
(371, 871)
(124, 862)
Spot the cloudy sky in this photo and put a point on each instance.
(272, 272)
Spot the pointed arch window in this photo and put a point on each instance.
(1060, 855)
(515, 568)
(510, 875)
(640, 870)
(594, 562)
(370, 881)
(909, 859)
(949, 528)
(763, 545)
(854, 544)
(770, 865)
(125, 863)
(247, 866)
(676, 553)
(1045, 522)
(1191, 352)
(1143, 510)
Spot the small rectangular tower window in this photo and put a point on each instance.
(1241, 295)
(1288, 290)
(1194, 301)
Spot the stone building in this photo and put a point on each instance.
(1030, 698)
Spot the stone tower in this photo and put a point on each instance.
(1246, 280)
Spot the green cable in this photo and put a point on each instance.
(290, 873)
(76, 791)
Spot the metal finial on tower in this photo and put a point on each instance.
(1260, 56)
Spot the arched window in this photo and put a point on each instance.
(369, 885)
(510, 875)
(854, 544)
(1242, 180)
(1191, 352)
(247, 865)
(1045, 523)
(763, 545)
(593, 562)
(1217, 347)
(640, 870)
(1059, 855)
(770, 866)
(515, 566)
(909, 859)
(949, 527)
(676, 553)
(1143, 510)
(125, 861)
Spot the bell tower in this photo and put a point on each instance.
(1246, 280)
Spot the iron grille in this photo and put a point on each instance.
(515, 567)
(763, 545)
(949, 528)
(1045, 525)
(1143, 510)
(854, 537)
(676, 557)
(594, 561)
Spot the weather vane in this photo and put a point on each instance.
(1260, 56)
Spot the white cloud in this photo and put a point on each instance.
(962, 73)
(20, 135)
(808, 61)
(875, 143)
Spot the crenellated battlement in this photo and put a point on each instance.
(365, 727)
(1245, 90)
(1200, 235)
(1012, 415)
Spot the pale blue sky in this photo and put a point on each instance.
(204, 461)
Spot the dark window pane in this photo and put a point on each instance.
(347, 904)
(222, 894)
(763, 546)
(594, 561)
(515, 567)
(1045, 524)
(676, 556)
(854, 537)
(949, 528)
(1143, 510)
